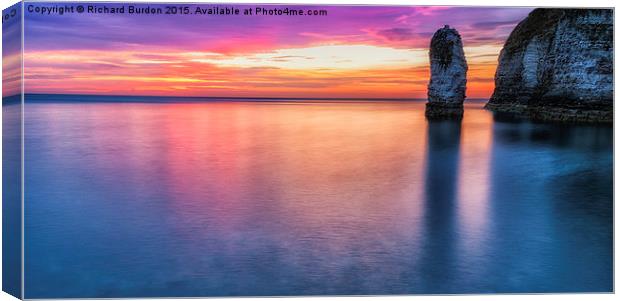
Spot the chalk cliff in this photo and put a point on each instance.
(446, 89)
(557, 64)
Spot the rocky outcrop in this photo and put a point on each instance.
(557, 65)
(446, 89)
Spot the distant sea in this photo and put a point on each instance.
(185, 99)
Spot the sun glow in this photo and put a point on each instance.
(317, 71)
(354, 52)
(325, 57)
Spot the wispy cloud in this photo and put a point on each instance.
(493, 24)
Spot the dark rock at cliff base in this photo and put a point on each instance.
(446, 89)
(557, 65)
(446, 110)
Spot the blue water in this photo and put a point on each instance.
(245, 198)
(11, 196)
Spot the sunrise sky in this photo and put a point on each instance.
(354, 51)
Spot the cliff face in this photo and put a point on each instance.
(446, 89)
(557, 64)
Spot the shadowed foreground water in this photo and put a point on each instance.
(240, 198)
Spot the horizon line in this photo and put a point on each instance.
(235, 97)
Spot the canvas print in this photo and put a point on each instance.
(203, 150)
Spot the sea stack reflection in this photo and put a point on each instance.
(446, 89)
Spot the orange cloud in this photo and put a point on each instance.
(363, 71)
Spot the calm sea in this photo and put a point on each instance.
(128, 199)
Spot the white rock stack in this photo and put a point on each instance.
(557, 65)
(446, 89)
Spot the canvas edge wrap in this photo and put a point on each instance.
(12, 150)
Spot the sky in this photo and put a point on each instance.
(11, 50)
(353, 52)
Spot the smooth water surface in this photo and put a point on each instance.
(255, 198)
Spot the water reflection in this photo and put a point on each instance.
(587, 137)
(473, 198)
(219, 199)
(560, 178)
(442, 159)
(11, 195)
(456, 204)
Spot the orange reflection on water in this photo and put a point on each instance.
(342, 185)
(319, 198)
(473, 180)
(312, 179)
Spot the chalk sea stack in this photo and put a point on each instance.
(557, 65)
(446, 89)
